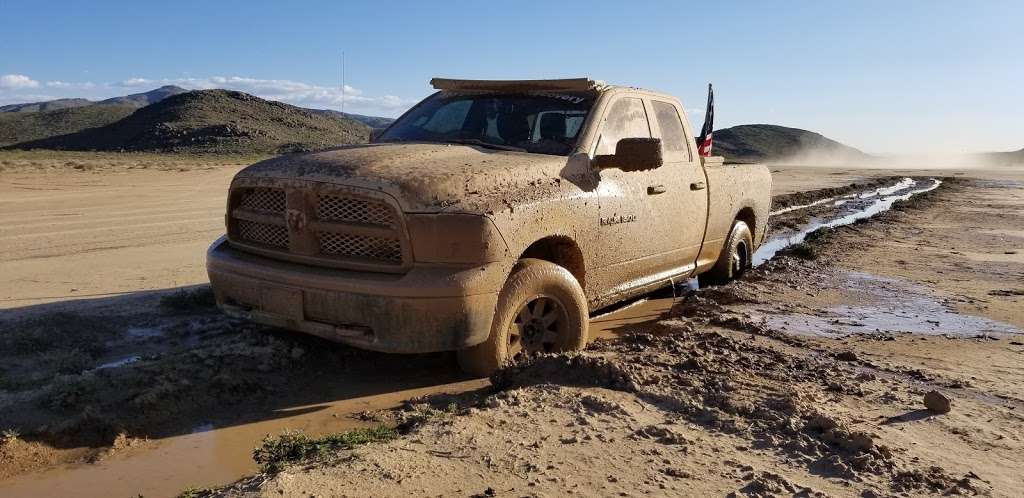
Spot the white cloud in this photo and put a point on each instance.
(17, 81)
(70, 85)
(290, 91)
(135, 82)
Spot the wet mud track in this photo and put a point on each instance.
(188, 395)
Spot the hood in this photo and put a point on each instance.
(424, 177)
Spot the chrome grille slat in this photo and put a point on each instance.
(338, 208)
(262, 233)
(359, 246)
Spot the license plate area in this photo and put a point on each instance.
(282, 301)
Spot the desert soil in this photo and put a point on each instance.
(801, 376)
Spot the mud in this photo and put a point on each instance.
(200, 431)
(714, 398)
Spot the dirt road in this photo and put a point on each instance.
(82, 234)
(152, 400)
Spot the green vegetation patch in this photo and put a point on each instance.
(276, 452)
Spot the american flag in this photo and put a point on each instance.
(704, 141)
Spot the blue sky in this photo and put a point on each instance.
(905, 76)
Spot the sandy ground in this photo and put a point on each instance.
(88, 253)
(108, 228)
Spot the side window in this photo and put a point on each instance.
(673, 135)
(626, 119)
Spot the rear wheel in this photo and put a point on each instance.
(736, 257)
(541, 309)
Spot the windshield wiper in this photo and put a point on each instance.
(481, 143)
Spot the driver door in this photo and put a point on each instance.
(633, 206)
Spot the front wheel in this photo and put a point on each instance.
(736, 257)
(541, 309)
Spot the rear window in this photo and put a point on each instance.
(673, 135)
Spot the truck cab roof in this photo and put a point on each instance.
(583, 84)
(568, 84)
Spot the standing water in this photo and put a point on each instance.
(849, 210)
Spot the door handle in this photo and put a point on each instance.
(698, 186)
(656, 189)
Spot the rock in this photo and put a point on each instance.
(937, 402)
(858, 442)
(846, 356)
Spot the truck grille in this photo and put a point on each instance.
(319, 224)
(263, 199)
(345, 244)
(336, 208)
(262, 233)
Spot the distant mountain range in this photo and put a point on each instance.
(772, 143)
(212, 121)
(50, 105)
(371, 121)
(134, 100)
(171, 118)
(1005, 158)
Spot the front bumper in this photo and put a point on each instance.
(429, 308)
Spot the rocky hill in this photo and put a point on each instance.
(214, 121)
(16, 127)
(772, 143)
(39, 120)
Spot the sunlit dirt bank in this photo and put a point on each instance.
(808, 373)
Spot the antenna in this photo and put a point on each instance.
(343, 82)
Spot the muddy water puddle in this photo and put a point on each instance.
(846, 210)
(880, 305)
(209, 455)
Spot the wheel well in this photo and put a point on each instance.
(747, 216)
(562, 251)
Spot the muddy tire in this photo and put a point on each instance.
(541, 308)
(736, 257)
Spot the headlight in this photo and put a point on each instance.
(455, 238)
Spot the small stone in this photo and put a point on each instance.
(937, 402)
(846, 356)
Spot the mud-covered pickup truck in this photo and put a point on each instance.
(490, 219)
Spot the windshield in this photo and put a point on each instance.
(542, 123)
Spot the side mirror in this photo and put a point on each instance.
(633, 154)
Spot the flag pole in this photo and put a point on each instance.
(343, 82)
